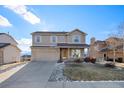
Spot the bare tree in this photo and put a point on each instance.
(113, 46)
(120, 32)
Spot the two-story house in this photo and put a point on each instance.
(54, 46)
(9, 51)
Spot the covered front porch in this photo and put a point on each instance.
(68, 51)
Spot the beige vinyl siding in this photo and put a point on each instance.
(46, 40)
(70, 37)
(1, 56)
(11, 54)
(61, 38)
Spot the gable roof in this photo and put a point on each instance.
(2, 45)
(9, 36)
(78, 31)
(59, 32)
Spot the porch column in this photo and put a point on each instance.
(87, 51)
(68, 53)
(81, 53)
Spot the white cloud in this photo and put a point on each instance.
(25, 13)
(45, 30)
(24, 44)
(4, 22)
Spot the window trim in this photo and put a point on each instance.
(74, 38)
(52, 38)
(40, 40)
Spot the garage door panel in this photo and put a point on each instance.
(45, 54)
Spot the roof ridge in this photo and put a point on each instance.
(59, 31)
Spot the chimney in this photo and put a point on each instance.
(92, 40)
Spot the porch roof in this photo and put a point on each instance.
(67, 45)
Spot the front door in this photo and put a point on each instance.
(64, 53)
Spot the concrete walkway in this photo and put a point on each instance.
(33, 75)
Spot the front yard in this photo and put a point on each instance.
(92, 72)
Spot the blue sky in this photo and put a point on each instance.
(96, 21)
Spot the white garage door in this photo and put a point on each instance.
(45, 54)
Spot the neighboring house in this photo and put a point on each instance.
(54, 46)
(103, 50)
(9, 52)
(26, 58)
(95, 46)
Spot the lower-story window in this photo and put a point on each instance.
(76, 53)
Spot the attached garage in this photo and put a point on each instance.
(45, 54)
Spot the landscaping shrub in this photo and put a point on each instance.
(92, 60)
(111, 65)
(77, 60)
(87, 59)
(119, 60)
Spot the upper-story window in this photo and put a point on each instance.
(37, 39)
(53, 39)
(62, 39)
(76, 39)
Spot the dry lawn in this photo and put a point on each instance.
(95, 72)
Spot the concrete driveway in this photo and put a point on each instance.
(34, 74)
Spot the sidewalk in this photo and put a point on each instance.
(9, 71)
(6, 67)
(87, 84)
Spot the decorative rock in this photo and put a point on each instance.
(57, 74)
